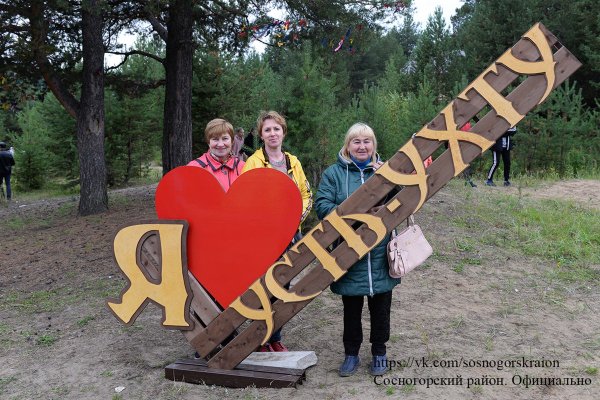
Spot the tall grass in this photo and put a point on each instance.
(562, 231)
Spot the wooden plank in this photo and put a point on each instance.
(202, 304)
(259, 368)
(190, 373)
(149, 254)
(491, 126)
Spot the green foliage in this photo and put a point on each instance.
(405, 115)
(486, 28)
(561, 136)
(133, 131)
(310, 103)
(134, 116)
(32, 158)
(436, 56)
(63, 140)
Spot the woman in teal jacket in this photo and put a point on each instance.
(357, 161)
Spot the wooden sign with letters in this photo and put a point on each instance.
(537, 58)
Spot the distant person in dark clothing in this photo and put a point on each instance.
(238, 144)
(501, 148)
(250, 146)
(6, 162)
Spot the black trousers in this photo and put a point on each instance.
(379, 309)
(496, 161)
(6, 178)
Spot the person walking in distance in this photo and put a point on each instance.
(501, 148)
(6, 163)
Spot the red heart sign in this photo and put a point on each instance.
(235, 236)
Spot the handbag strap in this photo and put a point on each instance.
(409, 222)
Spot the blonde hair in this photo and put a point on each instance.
(356, 130)
(216, 128)
(274, 115)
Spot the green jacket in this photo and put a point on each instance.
(369, 276)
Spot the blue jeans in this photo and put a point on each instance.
(7, 179)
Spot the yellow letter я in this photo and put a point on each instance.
(171, 293)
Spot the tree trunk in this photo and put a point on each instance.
(177, 128)
(90, 118)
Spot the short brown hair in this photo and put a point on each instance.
(216, 128)
(265, 115)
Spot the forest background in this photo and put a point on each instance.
(80, 126)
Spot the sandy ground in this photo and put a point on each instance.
(471, 328)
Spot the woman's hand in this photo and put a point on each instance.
(377, 164)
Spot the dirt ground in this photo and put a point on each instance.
(473, 328)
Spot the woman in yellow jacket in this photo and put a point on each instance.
(272, 128)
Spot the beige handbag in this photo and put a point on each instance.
(407, 249)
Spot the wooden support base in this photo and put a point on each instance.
(196, 371)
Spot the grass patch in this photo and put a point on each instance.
(477, 389)
(459, 268)
(406, 389)
(62, 390)
(592, 344)
(26, 221)
(591, 370)
(18, 223)
(395, 338)
(5, 340)
(556, 230)
(46, 340)
(457, 322)
(59, 298)
(85, 320)
(464, 244)
(40, 301)
(52, 189)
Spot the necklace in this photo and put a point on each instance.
(277, 163)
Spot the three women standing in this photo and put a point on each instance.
(357, 161)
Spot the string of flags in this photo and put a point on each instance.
(289, 33)
(398, 6)
(284, 32)
(347, 40)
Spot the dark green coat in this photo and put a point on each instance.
(369, 276)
